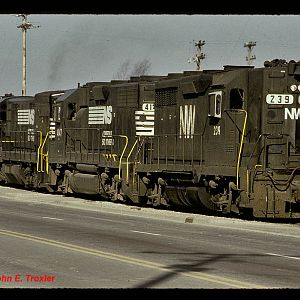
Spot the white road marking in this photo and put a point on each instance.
(292, 257)
(53, 218)
(145, 232)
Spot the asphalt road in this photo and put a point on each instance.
(57, 242)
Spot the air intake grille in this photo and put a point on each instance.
(165, 97)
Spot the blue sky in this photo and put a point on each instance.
(71, 48)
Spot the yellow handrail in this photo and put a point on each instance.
(38, 152)
(127, 163)
(45, 155)
(120, 163)
(41, 155)
(240, 150)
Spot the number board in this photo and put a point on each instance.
(148, 106)
(279, 99)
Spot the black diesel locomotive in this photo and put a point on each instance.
(223, 141)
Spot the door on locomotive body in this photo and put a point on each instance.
(144, 118)
(164, 146)
(226, 122)
(122, 103)
(44, 102)
(235, 124)
(101, 139)
(192, 117)
(214, 129)
(57, 128)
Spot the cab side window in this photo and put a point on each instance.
(236, 99)
(215, 104)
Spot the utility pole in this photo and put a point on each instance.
(24, 26)
(199, 55)
(250, 57)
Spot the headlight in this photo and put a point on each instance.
(299, 87)
(293, 87)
